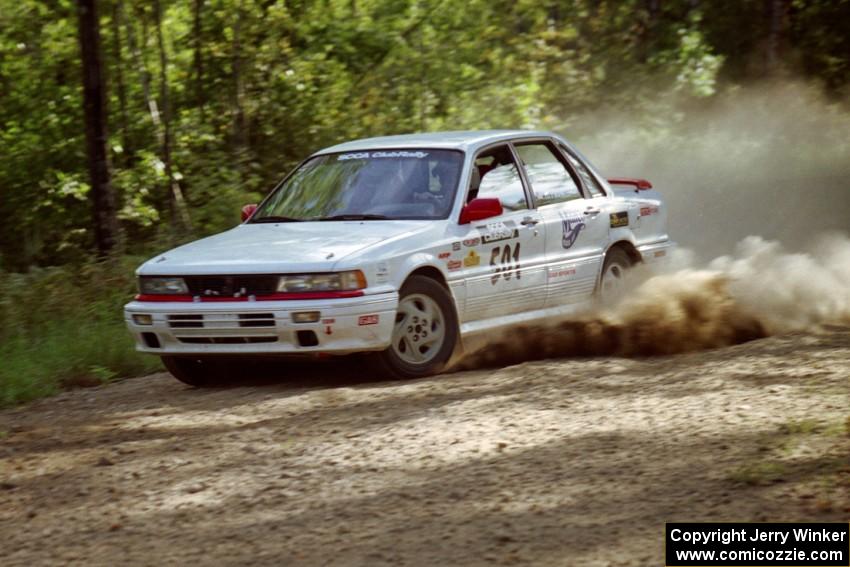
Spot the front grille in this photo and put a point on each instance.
(256, 320)
(226, 340)
(220, 320)
(231, 286)
(185, 321)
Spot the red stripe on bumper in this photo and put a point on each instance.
(270, 297)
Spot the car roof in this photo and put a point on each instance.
(460, 140)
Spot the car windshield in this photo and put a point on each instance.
(367, 185)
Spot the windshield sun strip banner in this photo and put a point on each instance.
(382, 154)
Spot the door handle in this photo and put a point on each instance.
(592, 211)
(528, 221)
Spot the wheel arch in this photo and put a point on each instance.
(429, 272)
(629, 248)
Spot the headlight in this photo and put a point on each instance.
(338, 281)
(162, 286)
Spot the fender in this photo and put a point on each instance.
(416, 262)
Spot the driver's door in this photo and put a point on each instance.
(503, 257)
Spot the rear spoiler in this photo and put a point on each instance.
(639, 184)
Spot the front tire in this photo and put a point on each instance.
(198, 372)
(425, 331)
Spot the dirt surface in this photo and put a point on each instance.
(553, 462)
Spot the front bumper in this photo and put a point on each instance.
(264, 327)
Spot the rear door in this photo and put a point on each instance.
(503, 258)
(576, 228)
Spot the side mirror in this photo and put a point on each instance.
(247, 211)
(480, 209)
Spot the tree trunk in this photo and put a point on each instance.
(200, 98)
(144, 77)
(117, 53)
(174, 197)
(240, 126)
(179, 214)
(94, 106)
(777, 16)
(646, 33)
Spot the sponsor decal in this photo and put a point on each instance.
(471, 242)
(570, 227)
(328, 328)
(444, 255)
(619, 219)
(472, 259)
(496, 231)
(455, 246)
(379, 155)
(328, 321)
(454, 265)
(648, 211)
(364, 320)
(660, 253)
(562, 273)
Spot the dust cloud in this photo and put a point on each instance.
(790, 291)
(772, 161)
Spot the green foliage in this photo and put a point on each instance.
(256, 86)
(698, 67)
(64, 327)
(820, 29)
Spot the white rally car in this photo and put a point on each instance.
(401, 247)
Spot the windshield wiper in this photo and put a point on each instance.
(275, 219)
(353, 217)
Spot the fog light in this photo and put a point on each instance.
(140, 319)
(305, 317)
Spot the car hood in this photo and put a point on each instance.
(278, 248)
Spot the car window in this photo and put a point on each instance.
(496, 177)
(550, 180)
(586, 177)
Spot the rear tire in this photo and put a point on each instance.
(612, 280)
(198, 372)
(425, 332)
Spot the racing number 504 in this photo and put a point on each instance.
(505, 262)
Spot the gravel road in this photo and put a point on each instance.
(551, 462)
